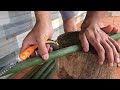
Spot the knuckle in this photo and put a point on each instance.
(101, 50)
(95, 43)
(116, 44)
(109, 49)
(113, 47)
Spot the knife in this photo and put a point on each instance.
(26, 54)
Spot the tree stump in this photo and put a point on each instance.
(80, 65)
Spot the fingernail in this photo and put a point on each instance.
(51, 49)
(45, 57)
(85, 49)
(111, 64)
(117, 60)
(100, 63)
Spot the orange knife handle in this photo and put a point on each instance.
(24, 55)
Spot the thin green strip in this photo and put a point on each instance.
(47, 71)
(52, 72)
(42, 69)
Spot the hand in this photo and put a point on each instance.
(103, 44)
(39, 35)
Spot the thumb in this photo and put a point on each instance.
(42, 49)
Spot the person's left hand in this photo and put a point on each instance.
(104, 45)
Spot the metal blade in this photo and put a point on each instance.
(4, 69)
(8, 67)
(6, 76)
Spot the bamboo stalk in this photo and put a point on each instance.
(42, 69)
(47, 71)
(27, 75)
(53, 55)
(37, 60)
(115, 36)
(13, 75)
(51, 73)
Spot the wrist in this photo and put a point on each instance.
(93, 17)
(92, 22)
(89, 23)
(43, 18)
(44, 24)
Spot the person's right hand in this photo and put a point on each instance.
(39, 35)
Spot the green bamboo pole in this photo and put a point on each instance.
(47, 71)
(115, 36)
(13, 75)
(51, 73)
(28, 73)
(53, 55)
(49, 76)
(42, 69)
(37, 60)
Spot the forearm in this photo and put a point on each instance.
(43, 17)
(93, 17)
